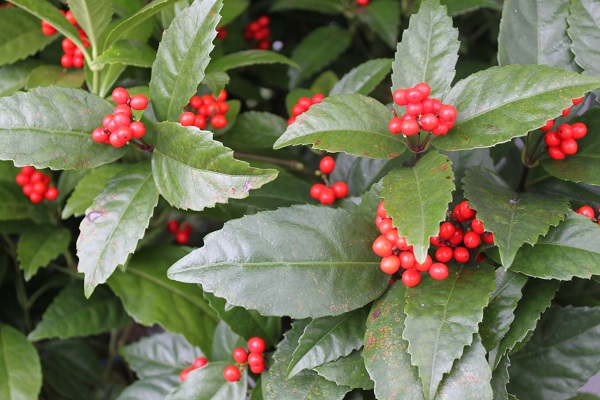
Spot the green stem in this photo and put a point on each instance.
(22, 298)
(71, 263)
(523, 179)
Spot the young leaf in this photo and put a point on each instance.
(183, 54)
(441, 318)
(93, 16)
(364, 78)
(202, 175)
(114, 223)
(19, 366)
(246, 58)
(417, 199)
(500, 103)
(514, 218)
(52, 127)
(255, 130)
(39, 246)
(48, 75)
(252, 263)
(21, 35)
(584, 32)
(349, 123)
(207, 383)
(14, 77)
(149, 297)
(321, 6)
(126, 52)
(428, 51)
(347, 371)
(383, 17)
(72, 315)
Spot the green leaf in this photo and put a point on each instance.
(114, 223)
(347, 371)
(364, 78)
(108, 77)
(232, 9)
(19, 366)
(571, 249)
(441, 318)
(247, 58)
(40, 246)
(327, 339)
(255, 130)
(500, 379)
(306, 386)
(428, 51)
(560, 357)
(14, 205)
(51, 127)
(535, 32)
(14, 77)
(383, 17)
(324, 82)
(252, 263)
(349, 123)
(499, 313)
(21, 35)
(93, 16)
(320, 6)
(149, 297)
(183, 54)
(317, 50)
(361, 173)
(216, 81)
(154, 388)
(127, 52)
(528, 94)
(514, 218)
(47, 75)
(386, 352)
(584, 31)
(224, 341)
(457, 7)
(418, 215)
(72, 315)
(207, 383)
(202, 175)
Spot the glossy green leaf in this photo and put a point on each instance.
(321, 6)
(19, 366)
(364, 78)
(183, 54)
(327, 339)
(500, 379)
(347, 371)
(560, 357)
(535, 32)
(51, 127)
(255, 130)
(21, 35)
(349, 123)
(153, 388)
(149, 297)
(457, 7)
(324, 82)
(13, 203)
(114, 223)
(361, 173)
(441, 318)
(584, 32)
(93, 16)
(418, 216)
(317, 50)
(207, 383)
(108, 76)
(306, 386)
(242, 261)
(569, 250)
(386, 352)
(224, 341)
(40, 246)
(72, 315)
(428, 51)
(514, 218)
(127, 52)
(383, 17)
(246, 58)
(294, 95)
(14, 77)
(528, 94)
(47, 75)
(216, 81)
(206, 172)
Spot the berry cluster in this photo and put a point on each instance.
(118, 128)
(362, 3)
(562, 142)
(422, 112)
(181, 232)
(550, 123)
(206, 109)
(73, 56)
(259, 31)
(35, 185)
(252, 358)
(588, 212)
(198, 363)
(303, 105)
(326, 194)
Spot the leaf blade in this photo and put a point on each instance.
(20, 366)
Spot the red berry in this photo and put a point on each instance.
(187, 118)
(116, 141)
(548, 126)
(124, 133)
(327, 197)
(27, 171)
(586, 210)
(392, 235)
(429, 122)
(471, 239)
(411, 277)
(99, 135)
(447, 112)
(407, 259)
(340, 189)
(71, 18)
(362, 3)
(414, 108)
(556, 153)
(48, 29)
(36, 197)
(579, 130)
(457, 238)
(221, 107)
(196, 102)
(27, 189)
(444, 254)
(380, 210)
(68, 46)
(438, 271)
(298, 109)
(317, 98)
(263, 21)
(446, 231)
(551, 139)
(291, 120)
(414, 96)
(477, 226)
(187, 228)
(465, 211)
(423, 88)
(385, 226)
(218, 121)
(400, 97)
(78, 61)
(378, 220)
(173, 226)
(568, 146)
(37, 176)
(182, 237)
(66, 61)
(316, 190)
(231, 373)
(257, 368)
(488, 237)
(240, 355)
(22, 179)
(564, 131)
(577, 101)
(410, 127)
(51, 193)
(382, 247)
(436, 241)
(441, 129)
(327, 165)
(184, 374)
(461, 254)
(120, 95)
(138, 129)
(566, 111)
(390, 264)
(200, 121)
(138, 102)
(122, 109)
(425, 265)
(256, 345)
(428, 106)
(121, 120)
(402, 244)
(199, 362)
(395, 125)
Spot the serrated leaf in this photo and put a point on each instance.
(127, 52)
(207, 383)
(21, 35)
(441, 318)
(51, 127)
(500, 103)
(457, 7)
(40, 246)
(386, 352)
(568, 250)
(246, 58)
(242, 262)
(383, 17)
(114, 223)
(93, 16)
(193, 171)
(500, 379)
(364, 78)
(327, 339)
(514, 218)
(149, 297)
(349, 123)
(183, 54)
(417, 216)
(347, 371)
(535, 32)
(47, 75)
(584, 32)
(19, 366)
(560, 357)
(72, 315)
(306, 386)
(321, 6)
(255, 130)
(428, 51)
(14, 77)
(317, 50)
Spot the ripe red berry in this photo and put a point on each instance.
(78, 61)
(425, 265)
(564, 131)
(465, 211)
(410, 127)
(488, 237)
(258, 368)
(428, 106)
(231, 373)
(327, 165)
(121, 119)
(340, 189)
(477, 226)
(256, 345)
(392, 235)
(390, 264)
(568, 146)
(305, 102)
(566, 111)
(255, 358)
(240, 355)
(182, 237)
(36, 176)
(184, 374)
(27, 189)
(327, 197)
(461, 254)
(317, 98)
(199, 362)
(48, 29)
(586, 210)
(551, 138)
(120, 95)
(173, 226)
(200, 121)
(362, 3)
(443, 254)
(138, 102)
(138, 129)
(122, 109)
(577, 101)
(407, 259)
(298, 109)
(70, 17)
(22, 179)
(446, 230)
(441, 129)
(316, 190)
(438, 271)
(471, 239)
(402, 244)
(36, 197)
(186, 228)
(382, 247)
(429, 122)
(414, 96)
(447, 113)
(124, 133)
(66, 61)
(51, 193)
(380, 210)
(385, 226)
(187, 118)
(414, 109)
(411, 277)
(579, 130)
(423, 88)
(400, 97)
(395, 125)
(436, 241)
(28, 171)
(556, 153)
(548, 126)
